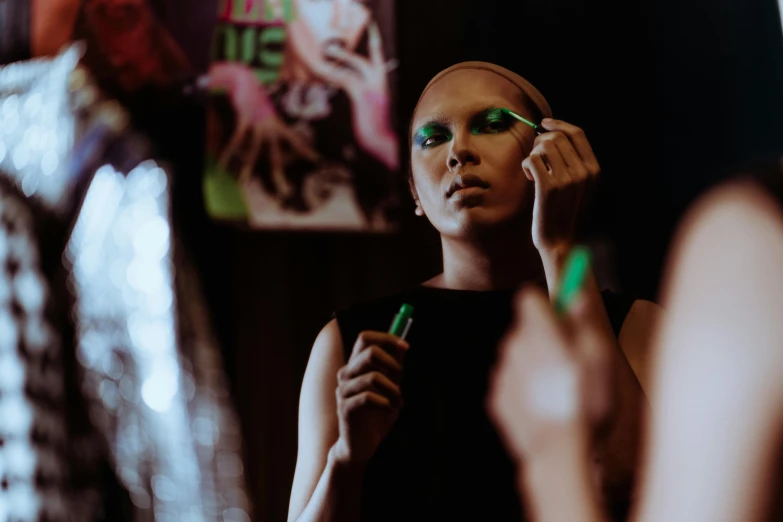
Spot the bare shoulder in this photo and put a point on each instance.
(636, 337)
(643, 312)
(328, 346)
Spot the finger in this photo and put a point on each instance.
(390, 343)
(255, 149)
(356, 62)
(375, 382)
(589, 332)
(376, 45)
(576, 168)
(498, 393)
(367, 400)
(538, 173)
(298, 144)
(535, 315)
(593, 348)
(511, 365)
(370, 360)
(579, 309)
(557, 165)
(275, 155)
(506, 406)
(517, 347)
(578, 138)
(527, 171)
(340, 76)
(551, 381)
(594, 351)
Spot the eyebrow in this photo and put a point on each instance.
(446, 121)
(483, 113)
(486, 109)
(442, 120)
(436, 120)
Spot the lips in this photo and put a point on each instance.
(330, 46)
(464, 181)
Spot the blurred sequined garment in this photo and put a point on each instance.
(119, 406)
(32, 393)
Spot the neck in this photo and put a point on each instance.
(493, 263)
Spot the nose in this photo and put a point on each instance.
(462, 153)
(340, 14)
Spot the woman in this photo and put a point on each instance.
(337, 43)
(717, 417)
(407, 437)
(334, 71)
(129, 50)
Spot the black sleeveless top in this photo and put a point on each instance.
(443, 459)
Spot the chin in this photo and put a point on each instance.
(476, 222)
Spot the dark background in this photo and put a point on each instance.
(673, 95)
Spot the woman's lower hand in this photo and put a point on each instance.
(552, 388)
(365, 82)
(368, 396)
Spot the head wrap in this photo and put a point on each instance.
(533, 94)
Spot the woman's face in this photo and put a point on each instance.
(123, 29)
(466, 155)
(319, 24)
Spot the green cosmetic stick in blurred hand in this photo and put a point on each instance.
(575, 271)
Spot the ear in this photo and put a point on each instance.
(412, 186)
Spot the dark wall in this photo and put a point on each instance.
(720, 75)
(673, 96)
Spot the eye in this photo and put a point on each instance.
(493, 126)
(429, 137)
(433, 140)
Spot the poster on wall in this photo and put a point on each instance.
(300, 130)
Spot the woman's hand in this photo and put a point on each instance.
(562, 165)
(255, 115)
(365, 82)
(552, 390)
(368, 396)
